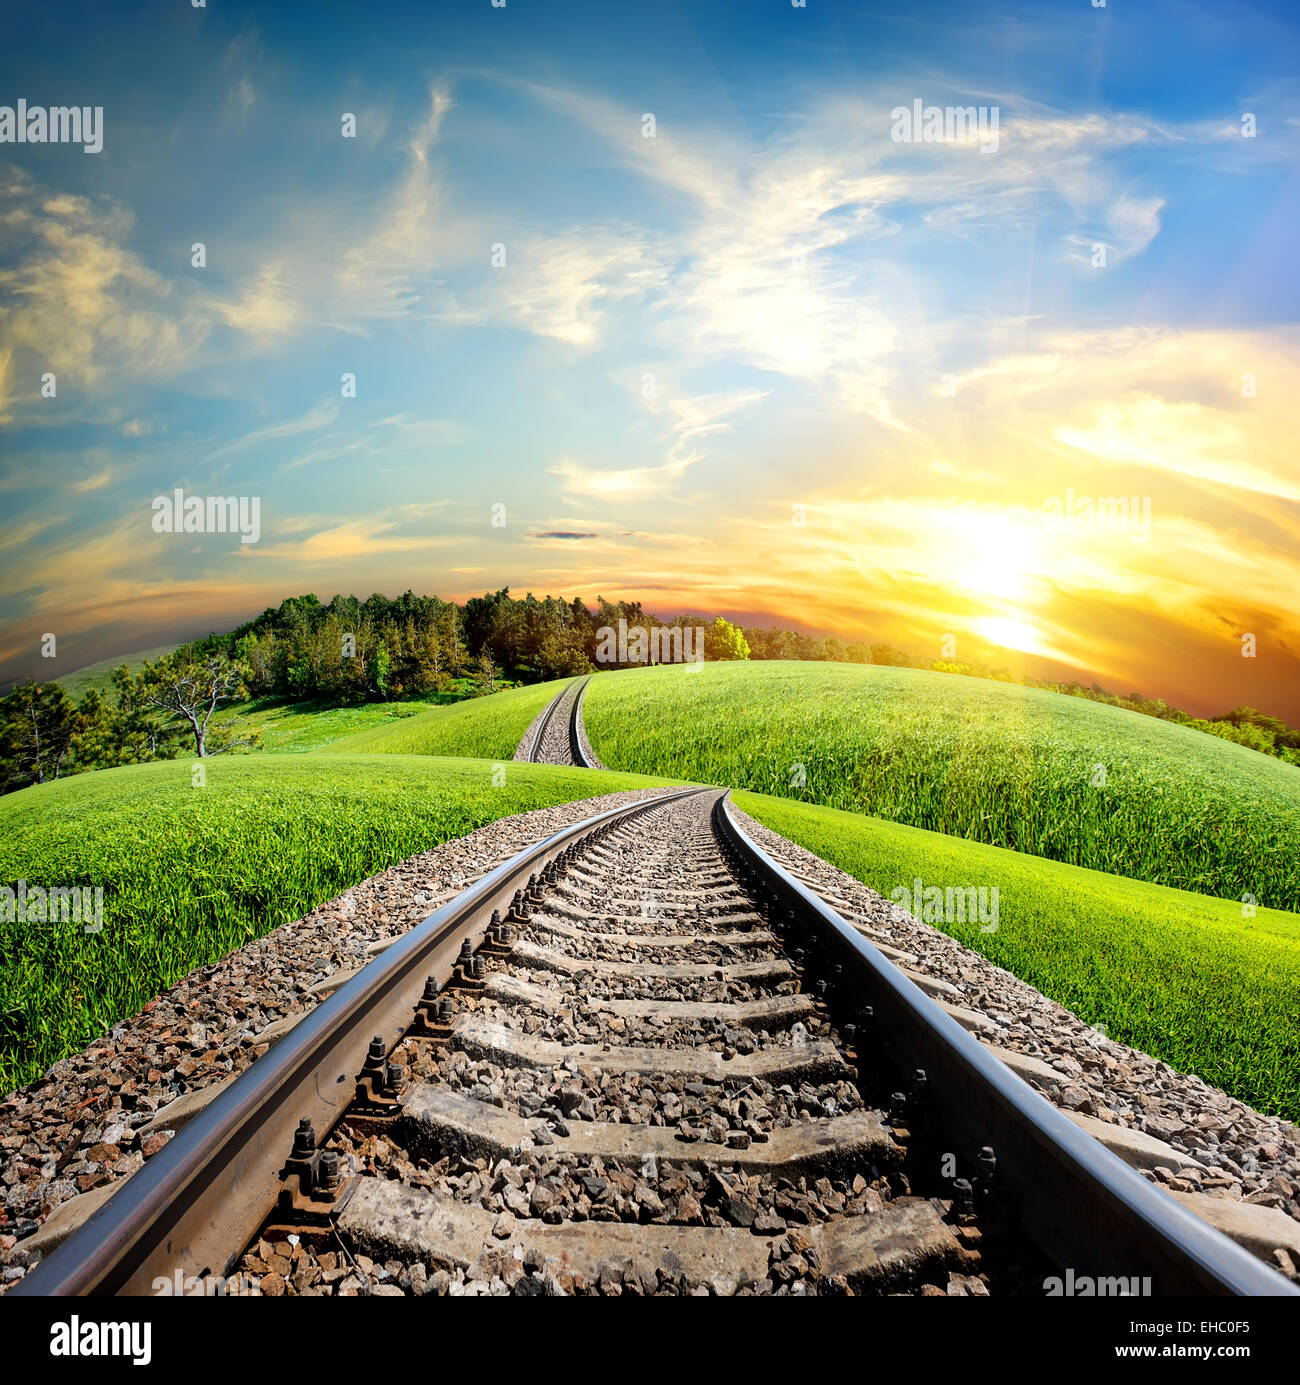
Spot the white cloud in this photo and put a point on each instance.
(688, 418)
(560, 286)
(779, 256)
(626, 483)
(320, 415)
(265, 309)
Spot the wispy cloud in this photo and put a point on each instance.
(320, 415)
(265, 309)
(887, 335)
(620, 484)
(384, 275)
(688, 419)
(560, 286)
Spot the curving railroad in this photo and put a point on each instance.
(557, 736)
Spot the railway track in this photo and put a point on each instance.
(557, 737)
(640, 1057)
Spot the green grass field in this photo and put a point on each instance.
(311, 725)
(299, 726)
(488, 728)
(1178, 975)
(188, 873)
(995, 763)
(306, 726)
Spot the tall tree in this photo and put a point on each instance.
(38, 722)
(723, 640)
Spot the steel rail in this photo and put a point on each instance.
(535, 744)
(196, 1204)
(575, 740)
(1084, 1207)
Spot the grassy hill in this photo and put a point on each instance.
(190, 873)
(955, 780)
(310, 726)
(1032, 771)
(488, 727)
(79, 682)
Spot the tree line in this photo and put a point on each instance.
(350, 651)
(361, 651)
(342, 652)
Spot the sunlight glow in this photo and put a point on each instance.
(1000, 554)
(1010, 634)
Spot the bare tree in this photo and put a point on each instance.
(486, 673)
(191, 688)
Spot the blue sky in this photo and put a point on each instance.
(768, 306)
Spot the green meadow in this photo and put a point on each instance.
(1106, 889)
(295, 726)
(100, 676)
(1032, 771)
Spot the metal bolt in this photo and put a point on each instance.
(304, 1139)
(466, 950)
(375, 1056)
(329, 1170)
(430, 990)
